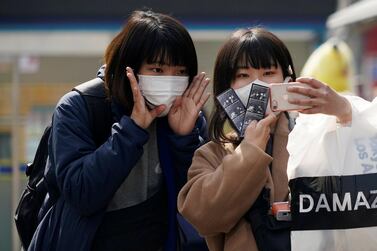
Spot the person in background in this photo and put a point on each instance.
(233, 181)
(121, 195)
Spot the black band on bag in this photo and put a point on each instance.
(334, 202)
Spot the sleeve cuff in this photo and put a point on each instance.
(132, 131)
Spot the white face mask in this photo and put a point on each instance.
(162, 90)
(244, 92)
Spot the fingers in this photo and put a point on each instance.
(313, 110)
(311, 82)
(307, 102)
(258, 134)
(202, 85)
(267, 121)
(188, 90)
(134, 86)
(203, 100)
(194, 85)
(252, 124)
(309, 92)
(157, 111)
(177, 102)
(197, 88)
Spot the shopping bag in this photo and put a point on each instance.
(332, 172)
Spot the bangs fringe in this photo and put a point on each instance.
(256, 54)
(166, 53)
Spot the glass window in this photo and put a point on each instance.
(37, 120)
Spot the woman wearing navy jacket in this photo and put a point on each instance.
(121, 195)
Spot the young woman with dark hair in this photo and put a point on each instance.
(247, 50)
(121, 194)
(147, 41)
(231, 179)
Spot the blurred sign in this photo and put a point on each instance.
(28, 64)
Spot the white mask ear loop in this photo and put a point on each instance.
(287, 79)
(290, 72)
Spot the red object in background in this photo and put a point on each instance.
(370, 51)
(371, 41)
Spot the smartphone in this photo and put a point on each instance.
(281, 211)
(283, 215)
(279, 97)
(233, 108)
(256, 104)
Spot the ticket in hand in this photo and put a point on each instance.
(233, 107)
(256, 105)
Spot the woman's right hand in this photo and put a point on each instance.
(258, 133)
(141, 115)
(323, 99)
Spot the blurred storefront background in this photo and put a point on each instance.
(356, 23)
(48, 47)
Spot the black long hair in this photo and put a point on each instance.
(255, 47)
(147, 37)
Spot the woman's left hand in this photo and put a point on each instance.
(323, 99)
(185, 110)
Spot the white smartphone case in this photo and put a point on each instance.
(279, 97)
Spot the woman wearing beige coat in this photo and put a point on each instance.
(228, 174)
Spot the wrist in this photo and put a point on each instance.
(345, 114)
(138, 122)
(258, 143)
(133, 131)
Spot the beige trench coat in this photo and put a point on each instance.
(223, 183)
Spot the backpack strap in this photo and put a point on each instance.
(100, 117)
(99, 108)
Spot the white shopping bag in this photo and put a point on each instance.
(332, 172)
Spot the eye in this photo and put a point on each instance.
(269, 73)
(157, 69)
(242, 75)
(182, 72)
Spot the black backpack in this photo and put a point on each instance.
(33, 196)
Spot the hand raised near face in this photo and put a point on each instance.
(141, 115)
(185, 110)
(323, 99)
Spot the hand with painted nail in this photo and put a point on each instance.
(141, 115)
(185, 110)
(323, 99)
